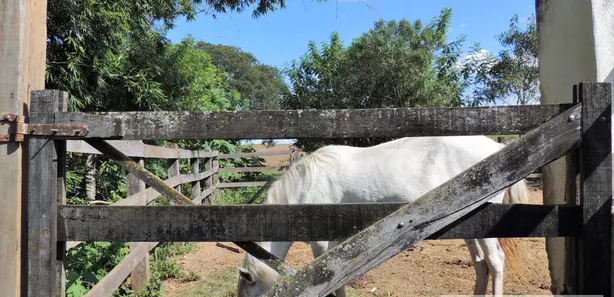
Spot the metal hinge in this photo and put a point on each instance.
(21, 129)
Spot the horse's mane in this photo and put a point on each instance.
(305, 170)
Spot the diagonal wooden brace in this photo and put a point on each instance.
(149, 178)
(416, 221)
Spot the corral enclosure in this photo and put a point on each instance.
(549, 132)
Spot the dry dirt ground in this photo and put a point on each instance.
(431, 268)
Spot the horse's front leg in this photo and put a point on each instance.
(495, 258)
(319, 248)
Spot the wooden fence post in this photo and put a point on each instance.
(174, 169)
(595, 275)
(140, 276)
(22, 56)
(208, 179)
(173, 165)
(45, 190)
(195, 185)
(215, 177)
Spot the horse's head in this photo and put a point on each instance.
(256, 278)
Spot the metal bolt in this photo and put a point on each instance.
(572, 117)
(602, 119)
(400, 225)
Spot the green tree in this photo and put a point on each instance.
(262, 85)
(101, 52)
(394, 64)
(510, 78)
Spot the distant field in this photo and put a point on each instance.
(274, 160)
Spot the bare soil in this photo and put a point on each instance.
(431, 268)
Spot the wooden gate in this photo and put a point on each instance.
(371, 233)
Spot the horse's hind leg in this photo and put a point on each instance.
(495, 258)
(319, 248)
(480, 266)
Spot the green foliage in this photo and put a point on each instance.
(261, 85)
(88, 263)
(513, 76)
(394, 64)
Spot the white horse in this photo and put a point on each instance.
(397, 171)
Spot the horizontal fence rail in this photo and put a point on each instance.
(343, 123)
(307, 222)
(137, 149)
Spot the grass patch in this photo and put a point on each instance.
(224, 284)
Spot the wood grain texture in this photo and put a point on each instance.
(346, 123)
(241, 184)
(253, 169)
(137, 149)
(195, 165)
(297, 222)
(140, 275)
(208, 182)
(254, 154)
(457, 197)
(140, 172)
(23, 33)
(44, 276)
(596, 190)
(173, 165)
(118, 274)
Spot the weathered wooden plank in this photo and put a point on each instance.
(22, 69)
(195, 164)
(131, 148)
(385, 122)
(42, 201)
(140, 172)
(596, 190)
(140, 275)
(253, 169)
(137, 149)
(254, 154)
(436, 209)
(208, 181)
(241, 184)
(118, 274)
(60, 148)
(203, 196)
(192, 177)
(173, 165)
(186, 154)
(296, 222)
(152, 151)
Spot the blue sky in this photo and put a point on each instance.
(278, 37)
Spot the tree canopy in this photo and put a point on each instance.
(394, 64)
(510, 78)
(261, 85)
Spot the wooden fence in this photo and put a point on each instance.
(370, 233)
(136, 263)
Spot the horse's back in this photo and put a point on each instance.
(397, 171)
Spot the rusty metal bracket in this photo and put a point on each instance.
(22, 128)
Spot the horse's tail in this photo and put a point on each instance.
(518, 193)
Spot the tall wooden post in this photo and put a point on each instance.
(595, 263)
(208, 179)
(173, 165)
(23, 31)
(215, 178)
(195, 185)
(140, 275)
(45, 191)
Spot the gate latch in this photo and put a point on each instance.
(20, 128)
